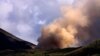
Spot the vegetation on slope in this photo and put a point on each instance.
(92, 49)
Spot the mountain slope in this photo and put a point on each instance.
(9, 41)
(89, 50)
(92, 49)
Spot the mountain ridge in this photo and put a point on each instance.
(9, 41)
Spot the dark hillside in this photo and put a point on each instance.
(9, 41)
(92, 48)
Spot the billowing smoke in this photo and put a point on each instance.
(78, 26)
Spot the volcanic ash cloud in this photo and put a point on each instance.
(77, 26)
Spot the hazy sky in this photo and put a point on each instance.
(25, 18)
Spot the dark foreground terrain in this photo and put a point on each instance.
(13, 46)
(91, 50)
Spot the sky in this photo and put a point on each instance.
(25, 18)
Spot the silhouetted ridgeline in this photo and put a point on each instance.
(9, 41)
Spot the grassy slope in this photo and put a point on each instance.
(91, 50)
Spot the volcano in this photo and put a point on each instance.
(9, 41)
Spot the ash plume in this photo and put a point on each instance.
(78, 26)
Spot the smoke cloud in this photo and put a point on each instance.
(78, 26)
